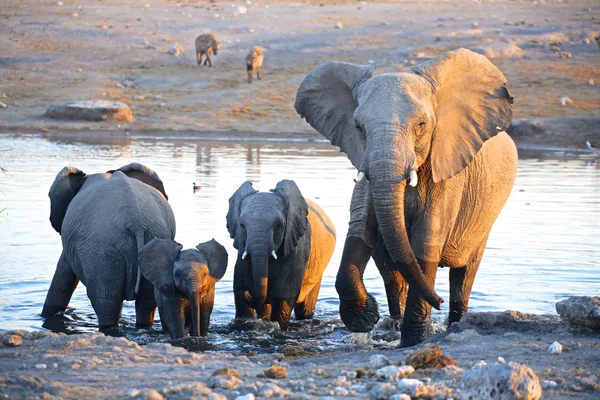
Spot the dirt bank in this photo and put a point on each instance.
(49, 365)
(117, 50)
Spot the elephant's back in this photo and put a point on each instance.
(322, 245)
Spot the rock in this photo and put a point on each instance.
(393, 373)
(400, 397)
(358, 388)
(13, 341)
(592, 82)
(176, 50)
(3, 105)
(240, 10)
(412, 387)
(272, 390)
(546, 384)
(382, 391)
(555, 348)
(152, 395)
(293, 351)
(248, 396)
(339, 25)
(565, 101)
(133, 393)
(581, 310)
(266, 358)
(565, 55)
(360, 372)
(224, 382)
(227, 372)
(41, 366)
(340, 391)
(274, 372)
(378, 361)
(475, 25)
(501, 382)
(429, 357)
(98, 110)
(499, 50)
(216, 396)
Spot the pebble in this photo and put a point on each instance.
(41, 366)
(547, 384)
(358, 388)
(555, 348)
(378, 361)
(227, 372)
(565, 101)
(565, 55)
(241, 10)
(216, 396)
(248, 396)
(429, 357)
(139, 98)
(393, 373)
(340, 391)
(400, 397)
(382, 391)
(592, 82)
(274, 372)
(176, 50)
(152, 395)
(501, 360)
(224, 382)
(410, 386)
(12, 340)
(133, 392)
(2, 105)
(339, 25)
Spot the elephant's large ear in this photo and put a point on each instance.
(142, 173)
(216, 257)
(326, 99)
(296, 214)
(472, 105)
(66, 185)
(155, 261)
(233, 214)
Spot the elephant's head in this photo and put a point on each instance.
(191, 273)
(70, 180)
(266, 225)
(389, 125)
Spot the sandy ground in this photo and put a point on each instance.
(49, 365)
(117, 50)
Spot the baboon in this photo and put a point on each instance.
(254, 61)
(206, 45)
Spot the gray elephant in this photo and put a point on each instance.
(184, 282)
(284, 244)
(103, 220)
(435, 168)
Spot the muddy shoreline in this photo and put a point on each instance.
(50, 365)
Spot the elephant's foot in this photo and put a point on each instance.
(112, 330)
(413, 334)
(392, 324)
(360, 321)
(457, 310)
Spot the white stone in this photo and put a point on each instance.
(382, 391)
(358, 388)
(3, 105)
(592, 82)
(393, 373)
(546, 384)
(565, 101)
(41, 366)
(340, 391)
(501, 382)
(176, 50)
(216, 396)
(339, 25)
(241, 10)
(410, 386)
(501, 360)
(248, 396)
(400, 397)
(378, 361)
(133, 392)
(555, 348)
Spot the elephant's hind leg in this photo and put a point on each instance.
(107, 303)
(461, 283)
(61, 289)
(306, 309)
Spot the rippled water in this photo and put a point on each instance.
(544, 247)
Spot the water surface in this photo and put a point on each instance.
(544, 247)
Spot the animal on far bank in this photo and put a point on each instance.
(206, 44)
(254, 62)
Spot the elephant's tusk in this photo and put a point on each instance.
(413, 178)
(244, 254)
(274, 254)
(359, 177)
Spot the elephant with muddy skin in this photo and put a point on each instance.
(104, 219)
(284, 244)
(435, 168)
(184, 283)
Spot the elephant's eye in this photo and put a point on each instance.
(360, 129)
(421, 125)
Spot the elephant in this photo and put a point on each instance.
(103, 220)
(184, 282)
(284, 244)
(435, 168)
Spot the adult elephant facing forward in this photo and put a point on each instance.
(104, 219)
(435, 169)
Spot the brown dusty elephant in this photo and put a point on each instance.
(435, 169)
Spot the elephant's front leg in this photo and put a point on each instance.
(208, 302)
(174, 316)
(358, 309)
(396, 287)
(282, 311)
(241, 291)
(145, 305)
(61, 289)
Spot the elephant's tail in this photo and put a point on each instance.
(139, 237)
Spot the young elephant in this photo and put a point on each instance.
(254, 61)
(184, 282)
(206, 45)
(284, 243)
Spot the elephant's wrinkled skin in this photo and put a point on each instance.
(284, 243)
(435, 169)
(184, 283)
(103, 220)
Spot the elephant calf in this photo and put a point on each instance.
(184, 282)
(284, 244)
(206, 45)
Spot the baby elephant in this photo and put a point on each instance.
(206, 45)
(254, 61)
(184, 282)
(284, 244)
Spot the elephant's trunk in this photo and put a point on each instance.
(259, 254)
(389, 169)
(195, 303)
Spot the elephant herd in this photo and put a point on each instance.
(435, 169)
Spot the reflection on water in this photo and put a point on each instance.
(543, 248)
